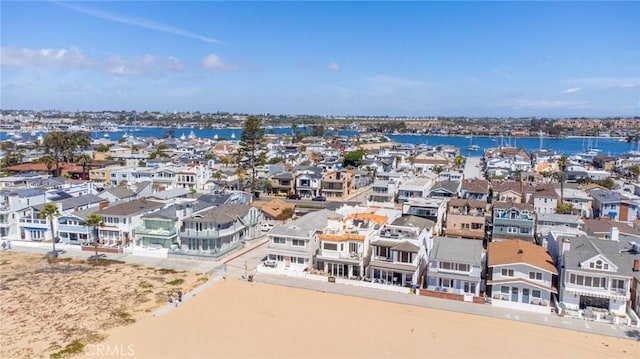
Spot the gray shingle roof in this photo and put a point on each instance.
(413, 221)
(121, 192)
(131, 208)
(450, 186)
(226, 213)
(456, 250)
(311, 222)
(583, 248)
(80, 201)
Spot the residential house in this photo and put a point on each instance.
(15, 204)
(445, 189)
(399, 251)
(219, 230)
(507, 191)
(604, 162)
(433, 209)
(521, 275)
(597, 276)
(513, 221)
(607, 203)
(555, 219)
(283, 183)
(344, 244)
(274, 209)
(476, 189)
(308, 182)
(159, 229)
(120, 219)
(383, 193)
(336, 184)
(543, 198)
(71, 228)
(466, 218)
(416, 188)
(293, 246)
(579, 199)
(455, 266)
(118, 194)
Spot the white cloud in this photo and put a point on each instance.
(606, 82)
(138, 22)
(142, 65)
(542, 104)
(57, 58)
(572, 90)
(214, 63)
(333, 67)
(74, 58)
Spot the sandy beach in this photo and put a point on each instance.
(47, 306)
(235, 319)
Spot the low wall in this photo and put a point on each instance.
(324, 278)
(451, 296)
(542, 309)
(148, 252)
(102, 249)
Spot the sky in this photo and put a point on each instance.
(475, 59)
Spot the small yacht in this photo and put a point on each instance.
(473, 148)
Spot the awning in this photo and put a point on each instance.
(605, 295)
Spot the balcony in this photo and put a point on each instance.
(353, 256)
(156, 232)
(74, 229)
(34, 223)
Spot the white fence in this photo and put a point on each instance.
(148, 252)
(323, 278)
(542, 309)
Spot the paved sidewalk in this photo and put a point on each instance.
(552, 320)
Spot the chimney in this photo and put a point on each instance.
(566, 244)
(636, 265)
(615, 234)
(103, 204)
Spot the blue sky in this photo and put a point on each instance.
(327, 58)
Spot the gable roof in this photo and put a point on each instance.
(225, 213)
(302, 227)
(131, 208)
(476, 186)
(584, 248)
(456, 250)
(274, 207)
(519, 251)
(509, 205)
(449, 186)
(500, 186)
(120, 192)
(604, 225)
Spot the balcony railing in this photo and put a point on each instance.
(160, 232)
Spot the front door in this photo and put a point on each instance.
(525, 295)
(514, 294)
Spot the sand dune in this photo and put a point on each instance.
(235, 319)
(46, 306)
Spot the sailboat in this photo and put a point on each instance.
(471, 146)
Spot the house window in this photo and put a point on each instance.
(507, 272)
(512, 230)
(353, 247)
(465, 225)
(469, 287)
(535, 293)
(330, 246)
(617, 285)
(504, 289)
(446, 283)
(279, 240)
(297, 243)
(535, 275)
(404, 257)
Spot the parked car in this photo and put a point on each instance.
(266, 227)
(293, 196)
(319, 198)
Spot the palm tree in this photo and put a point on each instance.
(49, 161)
(85, 159)
(94, 220)
(438, 169)
(49, 211)
(563, 162)
(458, 161)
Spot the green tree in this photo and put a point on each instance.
(95, 221)
(563, 162)
(564, 208)
(63, 145)
(317, 131)
(85, 160)
(252, 135)
(438, 169)
(12, 154)
(48, 212)
(458, 161)
(353, 158)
